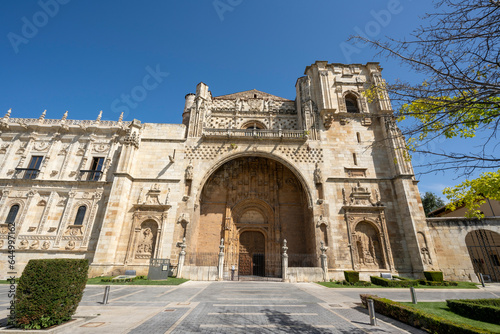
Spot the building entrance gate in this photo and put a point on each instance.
(484, 250)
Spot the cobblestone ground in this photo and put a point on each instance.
(240, 307)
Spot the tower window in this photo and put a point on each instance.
(358, 137)
(351, 103)
(355, 159)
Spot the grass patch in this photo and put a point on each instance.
(461, 285)
(442, 310)
(169, 281)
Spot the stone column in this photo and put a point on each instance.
(324, 263)
(182, 256)
(284, 263)
(221, 261)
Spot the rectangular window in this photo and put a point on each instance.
(33, 168)
(96, 169)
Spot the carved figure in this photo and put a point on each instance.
(318, 175)
(35, 244)
(46, 245)
(71, 245)
(23, 244)
(145, 245)
(142, 196)
(189, 172)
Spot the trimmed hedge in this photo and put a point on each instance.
(436, 283)
(436, 276)
(393, 283)
(358, 283)
(351, 276)
(487, 310)
(49, 291)
(418, 318)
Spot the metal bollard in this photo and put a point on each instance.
(482, 280)
(371, 312)
(106, 294)
(413, 295)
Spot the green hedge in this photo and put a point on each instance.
(358, 283)
(351, 276)
(393, 283)
(436, 276)
(487, 310)
(49, 291)
(418, 318)
(436, 283)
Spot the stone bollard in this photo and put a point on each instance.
(221, 261)
(284, 263)
(182, 256)
(106, 294)
(324, 262)
(413, 295)
(371, 312)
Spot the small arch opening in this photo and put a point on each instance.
(80, 215)
(351, 103)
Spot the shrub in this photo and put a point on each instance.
(418, 318)
(393, 283)
(436, 276)
(49, 291)
(487, 310)
(351, 276)
(435, 283)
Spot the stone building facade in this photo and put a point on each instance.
(328, 168)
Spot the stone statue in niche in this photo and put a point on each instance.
(189, 172)
(368, 246)
(146, 244)
(424, 250)
(318, 175)
(426, 257)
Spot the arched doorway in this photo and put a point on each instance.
(253, 203)
(252, 254)
(484, 251)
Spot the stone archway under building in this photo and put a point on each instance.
(253, 204)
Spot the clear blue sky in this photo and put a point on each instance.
(83, 56)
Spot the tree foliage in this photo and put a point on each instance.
(473, 193)
(457, 50)
(431, 202)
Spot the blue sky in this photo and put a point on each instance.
(85, 56)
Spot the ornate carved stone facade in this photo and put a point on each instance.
(250, 168)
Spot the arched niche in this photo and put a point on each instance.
(484, 251)
(258, 194)
(369, 253)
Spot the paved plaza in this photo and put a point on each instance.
(241, 307)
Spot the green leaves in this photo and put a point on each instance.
(473, 193)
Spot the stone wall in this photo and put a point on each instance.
(448, 235)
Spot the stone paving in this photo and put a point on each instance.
(241, 307)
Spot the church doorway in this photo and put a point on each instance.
(252, 254)
(253, 204)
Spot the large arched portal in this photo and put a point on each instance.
(254, 203)
(484, 251)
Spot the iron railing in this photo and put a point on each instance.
(256, 133)
(90, 175)
(26, 173)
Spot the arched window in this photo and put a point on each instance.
(11, 217)
(351, 103)
(80, 215)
